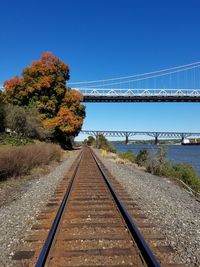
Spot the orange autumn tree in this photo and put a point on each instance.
(43, 86)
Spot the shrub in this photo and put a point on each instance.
(112, 149)
(24, 122)
(142, 157)
(187, 174)
(127, 155)
(161, 154)
(14, 140)
(183, 172)
(167, 170)
(155, 164)
(16, 161)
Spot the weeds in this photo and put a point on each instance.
(154, 164)
(158, 165)
(14, 140)
(16, 161)
(187, 174)
(127, 155)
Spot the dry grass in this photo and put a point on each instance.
(16, 161)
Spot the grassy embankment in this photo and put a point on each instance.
(24, 143)
(19, 156)
(158, 165)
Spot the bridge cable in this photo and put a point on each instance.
(137, 75)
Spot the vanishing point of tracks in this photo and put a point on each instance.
(92, 227)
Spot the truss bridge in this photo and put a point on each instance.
(128, 134)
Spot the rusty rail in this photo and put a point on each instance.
(47, 246)
(144, 251)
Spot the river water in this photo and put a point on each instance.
(175, 153)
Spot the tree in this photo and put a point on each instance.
(1, 97)
(23, 122)
(103, 143)
(43, 86)
(91, 140)
(2, 116)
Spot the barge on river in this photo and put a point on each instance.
(187, 142)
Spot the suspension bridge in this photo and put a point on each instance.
(176, 84)
(155, 135)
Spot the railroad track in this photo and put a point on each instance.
(92, 227)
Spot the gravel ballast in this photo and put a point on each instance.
(18, 217)
(171, 208)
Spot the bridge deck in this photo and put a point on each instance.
(134, 98)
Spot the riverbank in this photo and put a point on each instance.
(175, 153)
(18, 215)
(170, 207)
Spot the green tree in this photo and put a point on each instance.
(90, 141)
(24, 122)
(103, 143)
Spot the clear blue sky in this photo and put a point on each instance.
(107, 38)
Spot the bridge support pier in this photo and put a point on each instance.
(97, 141)
(156, 139)
(126, 139)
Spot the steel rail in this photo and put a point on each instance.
(145, 250)
(47, 246)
